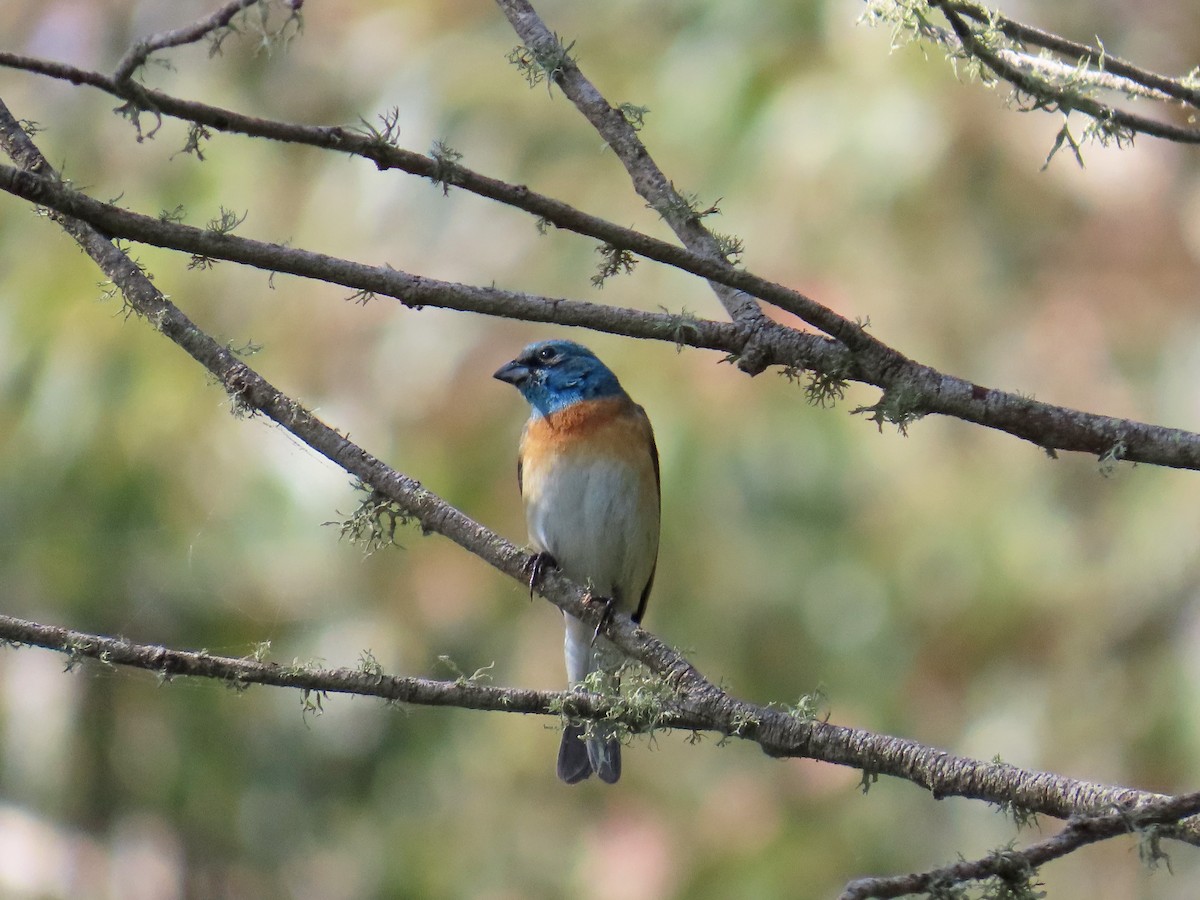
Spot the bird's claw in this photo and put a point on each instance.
(537, 565)
(606, 614)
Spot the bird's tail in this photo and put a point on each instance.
(578, 758)
(601, 752)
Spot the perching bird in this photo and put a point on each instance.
(588, 474)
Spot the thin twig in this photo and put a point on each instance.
(135, 57)
(1112, 119)
(1073, 50)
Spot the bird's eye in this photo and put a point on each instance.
(546, 354)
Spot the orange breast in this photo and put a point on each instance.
(612, 427)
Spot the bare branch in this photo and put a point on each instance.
(1036, 37)
(692, 704)
(1049, 96)
(135, 57)
(1065, 84)
(386, 155)
(910, 389)
(412, 290)
(244, 671)
(1018, 866)
(620, 134)
(689, 701)
(697, 703)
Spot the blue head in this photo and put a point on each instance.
(552, 375)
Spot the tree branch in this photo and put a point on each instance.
(686, 709)
(412, 290)
(1096, 56)
(555, 63)
(689, 701)
(386, 155)
(694, 702)
(137, 55)
(241, 672)
(1049, 93)
(1018, 867)
(911, 390)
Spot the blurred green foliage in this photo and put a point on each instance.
(955, 586)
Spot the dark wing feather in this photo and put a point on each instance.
(641, 609)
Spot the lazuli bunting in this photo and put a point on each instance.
(588, 474)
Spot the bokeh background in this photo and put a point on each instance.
(954, 586)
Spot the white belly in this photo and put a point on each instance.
(593, 519)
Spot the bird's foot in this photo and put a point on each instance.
(606, 613)
(538, 564)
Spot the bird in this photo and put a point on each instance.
(588, 473)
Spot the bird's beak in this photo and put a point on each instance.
(512, 372)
